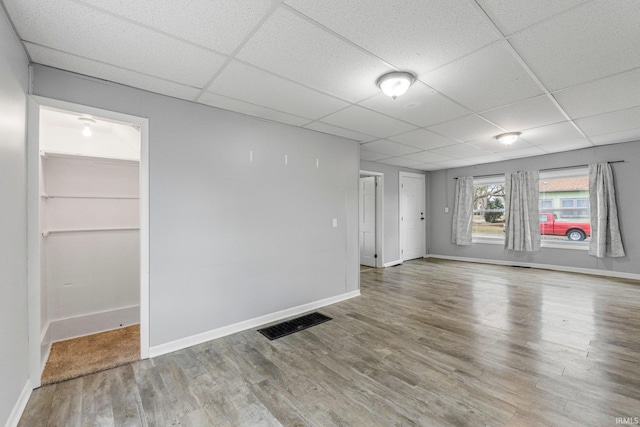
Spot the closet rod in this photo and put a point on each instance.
(83, 230)
(546, 170)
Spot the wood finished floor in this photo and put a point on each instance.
(428, 343)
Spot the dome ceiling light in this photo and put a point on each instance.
(395, 83)
(508, 138)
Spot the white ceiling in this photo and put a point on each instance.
(565, 73)
(61, 133)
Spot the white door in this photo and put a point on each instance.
(368, 221)
(412, 216)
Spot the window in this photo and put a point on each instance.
(488, 209)
(581, 205)
(564, 207)
(546, 204)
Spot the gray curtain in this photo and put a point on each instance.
(462, 211)
(605, 231)
(522, 230)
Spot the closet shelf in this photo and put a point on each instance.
(59, 155)
(50, 196)
(84, 230)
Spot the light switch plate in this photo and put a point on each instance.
(335, 222)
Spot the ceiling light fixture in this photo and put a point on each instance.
(86, 123)
(395, 83)
(508, 138)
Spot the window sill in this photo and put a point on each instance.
(558, 244)
(553, 244)
(488, 240)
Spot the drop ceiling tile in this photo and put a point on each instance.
(335, 130)
(601, 96)
(242, 107)
(83, 31)
(246, 83)
(469, 128)
(460, 151)
(421, 106)
(586, 43)
(400, 161)
(412, 35)
(525, 152)
(383, 146)
(492, 145)
(368, 122)
(453, 164)
(426, 157)
(371, 156)
(489, 158)
(313, 57)
(514, 15)
(487, 78)
(557, 133)
(566, 145)
(431, 167)
(424, 139)
(617, 121)
(216, 24)
(76, 64)
(617, 137)
(534, 112)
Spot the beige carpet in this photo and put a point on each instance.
(92, 353)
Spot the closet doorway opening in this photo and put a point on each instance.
(371, 208)
(88, 198)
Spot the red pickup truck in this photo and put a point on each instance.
(575, 231)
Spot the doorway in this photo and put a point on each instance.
(88, 228)
(371, 219)
(412, 216)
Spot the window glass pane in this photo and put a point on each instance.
(567, 216)
(546, 204)
(488, 212)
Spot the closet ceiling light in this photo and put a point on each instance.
(395, 83)
(508, 138)
(86, 123)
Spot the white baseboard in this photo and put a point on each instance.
(591, 271)
(247, 324)
(18, 408)
(392, 263)
(64, 329)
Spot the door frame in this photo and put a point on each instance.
(33, 223)
(402, 174)
(379, 215)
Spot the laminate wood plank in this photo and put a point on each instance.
(125, 396)
(97, 408)
(429, 343)
(38, 409)
(67, 404)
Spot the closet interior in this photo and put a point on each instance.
(89, 226)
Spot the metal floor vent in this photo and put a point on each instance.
(294, 325)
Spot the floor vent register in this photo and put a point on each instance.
(294, 325)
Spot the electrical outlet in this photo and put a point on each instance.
(446, 210)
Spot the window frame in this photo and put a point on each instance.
(488, 180)
(569, 172)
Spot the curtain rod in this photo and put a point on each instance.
(545, 170)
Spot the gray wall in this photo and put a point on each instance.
(392, 206)
(14, 351)
(627, 177)
(231, 239)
